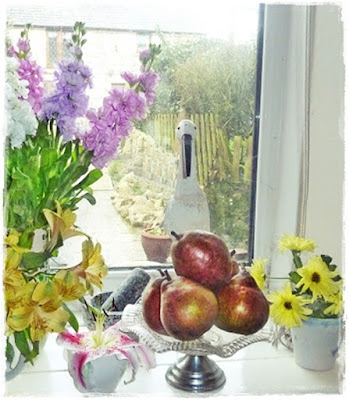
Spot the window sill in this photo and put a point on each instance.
(258, 369)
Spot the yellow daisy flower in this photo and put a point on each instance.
(287, 309)
(295, 243)
(337, 304)
(257, 272)
(318, 278)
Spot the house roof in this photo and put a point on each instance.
(104, 15)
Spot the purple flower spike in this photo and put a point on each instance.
(69, 100)
(145, 55)
(131, 79)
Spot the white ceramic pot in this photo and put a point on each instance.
(316, 343)
(101, 375)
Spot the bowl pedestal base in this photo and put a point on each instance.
(195, 374)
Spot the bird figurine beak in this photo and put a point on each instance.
(187, 154)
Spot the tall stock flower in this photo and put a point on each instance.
(114, 120)
(29, 71)
(68, 101)
(20, 117)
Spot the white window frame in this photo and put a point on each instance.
(300, 160)
(281, 192)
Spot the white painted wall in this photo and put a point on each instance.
(324, 221)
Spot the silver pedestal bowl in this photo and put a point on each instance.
(195, 371)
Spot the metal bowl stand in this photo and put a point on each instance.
(195, 374)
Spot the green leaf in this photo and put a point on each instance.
(10, 353)
(88, 197)
(34, 260)
(295, 277)
(72, 319)
(36, 348)
(23, 345)
(89, 179)
(297, 260)
(326, 259)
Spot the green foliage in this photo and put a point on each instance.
(9, 352)
(168, 98)
(295, 277)
(229, 209)
(205, 75)
(73, 322)
(45, 170)
(22, 343)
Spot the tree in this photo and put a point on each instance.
(205, 75)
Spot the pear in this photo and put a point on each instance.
(242, 306)
(151, 304)
(202, 257)
(188, 309)
(235, 269)
(244, 278)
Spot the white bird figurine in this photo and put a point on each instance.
(187, 209)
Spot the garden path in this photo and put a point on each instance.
(120, 247)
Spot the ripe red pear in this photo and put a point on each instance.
(202, 257)
(242, 306)
(235, 269)
(188, 309)
(151, 299)
(244, 278)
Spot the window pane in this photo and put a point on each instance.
(52, 49)
(207, 71)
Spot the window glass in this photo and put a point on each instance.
(207, 74)
(52, 49)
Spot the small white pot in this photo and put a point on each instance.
(316, 343)
(101, 375)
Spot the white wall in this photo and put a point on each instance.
(324, 219)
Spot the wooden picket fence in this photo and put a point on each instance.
(217, 155)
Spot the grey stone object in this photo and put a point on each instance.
(128, 292)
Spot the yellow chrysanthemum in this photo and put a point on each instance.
(257, 272)
(296, 243)
(336, 307)
(287, 309)
(318, 278)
